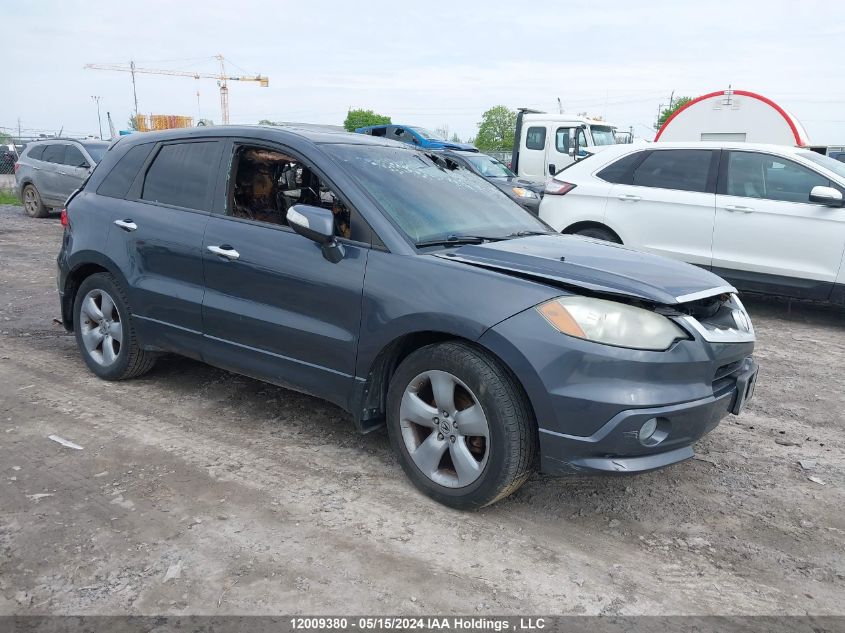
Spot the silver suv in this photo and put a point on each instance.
(49, 171)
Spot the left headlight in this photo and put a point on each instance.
(611, 323)
(522, 192)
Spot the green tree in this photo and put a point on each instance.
(496, 129)
(267, 122)
(455, 138)
(677, 104)
(363, 118)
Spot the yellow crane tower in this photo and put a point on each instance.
(221, 78)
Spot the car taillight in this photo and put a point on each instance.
(65, 221)
(558, 188)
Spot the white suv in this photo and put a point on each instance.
(768, 218)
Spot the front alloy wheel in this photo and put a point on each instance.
(444, 429)
(461, 425)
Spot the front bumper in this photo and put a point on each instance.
(616, 446)
(591, 400)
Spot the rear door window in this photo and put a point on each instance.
(54, 154)
(679, 169)
(73, 157)
(116, 184)
(535, 138)
(182, 175)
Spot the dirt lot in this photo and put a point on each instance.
(198, 491)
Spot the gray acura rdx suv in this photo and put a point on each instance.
(406, 290)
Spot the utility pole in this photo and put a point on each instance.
(99, 120)
(134, 91)
(559, 106)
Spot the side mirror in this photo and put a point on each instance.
(552, 170)
(316, 224)
(827, 196)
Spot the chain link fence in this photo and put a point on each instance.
(10, 149)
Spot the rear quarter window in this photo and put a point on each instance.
(36, 152)
(621, 171)
(116, 184)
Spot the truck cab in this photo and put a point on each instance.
(546, 143)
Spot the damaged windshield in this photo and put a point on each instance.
(433, 199)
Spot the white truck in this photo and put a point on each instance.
(546, 143)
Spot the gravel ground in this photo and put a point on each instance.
(198, 491)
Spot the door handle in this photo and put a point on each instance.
(126, 225)
(224, 251)
(735, 208)
(629, 197)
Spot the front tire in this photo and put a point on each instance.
(460, 425)
(32, 203)
(104, 330)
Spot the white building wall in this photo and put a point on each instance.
(733, 117)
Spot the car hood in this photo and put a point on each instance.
(593, 265)
(451, 145)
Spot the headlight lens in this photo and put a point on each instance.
(611, 323)
(522, 192)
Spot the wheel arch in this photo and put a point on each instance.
(91, 265)
(370, 398)
(589, 224)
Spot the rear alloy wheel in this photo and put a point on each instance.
(104, 331)
(461, 425)
(32, 204)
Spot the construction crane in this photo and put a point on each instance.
(222, 79)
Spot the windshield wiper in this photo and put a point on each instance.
(457, 239)
(527, 233)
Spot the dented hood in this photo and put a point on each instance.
(595, 266)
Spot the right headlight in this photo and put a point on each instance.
(611, 323)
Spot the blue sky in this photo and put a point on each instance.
(431, 63)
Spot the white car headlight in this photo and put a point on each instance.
(522, 192)
(611, 323)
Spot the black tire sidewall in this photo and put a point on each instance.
(41, 211)
(491, 482)
(105, 282)
(599, 234)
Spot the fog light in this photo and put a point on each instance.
(647, 430)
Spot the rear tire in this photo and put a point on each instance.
(598, 233)
(442, 401)
(32, 203)
(104, 330)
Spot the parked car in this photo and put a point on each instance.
(524, 192)
(768, 218)
(8, 158)
(413, 135)
(49, 171)
(544, 143)
(366, 273)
